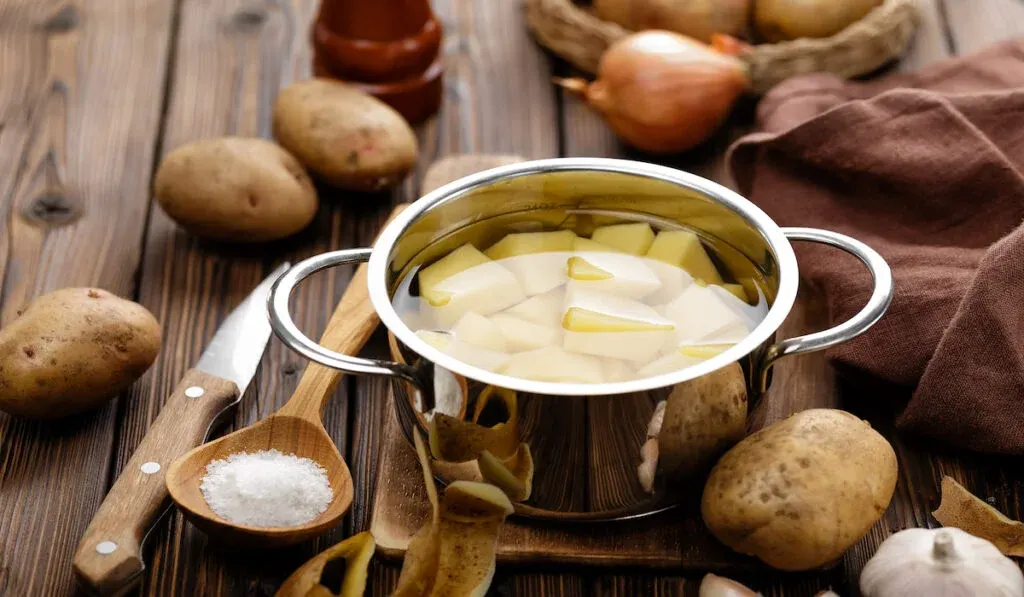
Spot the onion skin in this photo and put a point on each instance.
(780, 20)
(699, 19)
(662, 92)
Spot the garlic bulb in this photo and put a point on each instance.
(719, 586)
(944, 562)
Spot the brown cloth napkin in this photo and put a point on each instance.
(928, 169)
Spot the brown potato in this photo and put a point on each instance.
(703, 418)
(799, 493)
(73, 349)
(349, 138)
(236, 189)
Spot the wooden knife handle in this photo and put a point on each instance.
(109, 559)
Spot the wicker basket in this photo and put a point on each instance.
(580, 38)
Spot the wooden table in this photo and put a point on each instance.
(93, 93)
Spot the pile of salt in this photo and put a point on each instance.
(266, 489)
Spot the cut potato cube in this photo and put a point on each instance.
(539, 272)
(478, 330)
(525, 243)
(553, 364)
(484, 289)
(439, 340)
(477, 356)
(613, 326)
(674, 281)
(669, 363)
(683, 248)
(581, 269)
(629, 238)
(543, 309)
(703, 351)
(521, 335)
(585, 244)
(629, 276)
(617, 370)
(736, 290)
(706, 314)
(459, 260)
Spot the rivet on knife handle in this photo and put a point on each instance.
(109, 559)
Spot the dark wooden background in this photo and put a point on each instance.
(93, 93)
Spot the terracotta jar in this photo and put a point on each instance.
(389, 48)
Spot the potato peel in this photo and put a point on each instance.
(455, 440)
(421, 557)
(454, 553)
(962, 509)
(514, 475)
(357, 551)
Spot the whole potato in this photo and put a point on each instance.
(703, 418)
(73, 349)
(799, 493)
(236, 189)
(349, 138)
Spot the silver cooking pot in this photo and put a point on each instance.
(585, 439)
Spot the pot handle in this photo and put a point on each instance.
(849, 329)
(284, 326)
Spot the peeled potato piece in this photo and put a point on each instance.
(478, 356)
(617, 370)
(520, 334)
(473, 328)
(466, 280)
(544, 309)
(307, 581)
(612, 273)
(613, 326)
(538, 272)
(585, 244)
(674, 281)
(439, 340)
(736, 290)
(669, 363)
(629, 238)
(702, 314)
(554, 364)
(525, 243)
(683, 248)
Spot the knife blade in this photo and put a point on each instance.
(108, 560)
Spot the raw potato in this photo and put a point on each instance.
(703, 418)
(799, 493)
(73, 349)
(350, 139)
(779, 20)
(235, 189)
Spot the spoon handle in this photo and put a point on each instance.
(350, 326)
(109, 559)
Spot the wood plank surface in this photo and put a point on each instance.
(81, 88)
(91, 92)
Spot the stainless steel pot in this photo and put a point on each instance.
(585, 439)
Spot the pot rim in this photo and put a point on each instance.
(377, 273)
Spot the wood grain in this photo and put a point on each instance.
(79, 115)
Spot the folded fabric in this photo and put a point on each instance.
(928, 169)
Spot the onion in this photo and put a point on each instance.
(699, 19)
(662, 92)
(779, 20)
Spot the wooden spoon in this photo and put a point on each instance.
(297, 428)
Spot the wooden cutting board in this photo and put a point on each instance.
(675, 539)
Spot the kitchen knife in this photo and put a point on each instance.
(109, 556)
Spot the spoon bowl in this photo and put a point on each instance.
(284, 433)
(297, 428)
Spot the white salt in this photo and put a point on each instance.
(266, 489)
